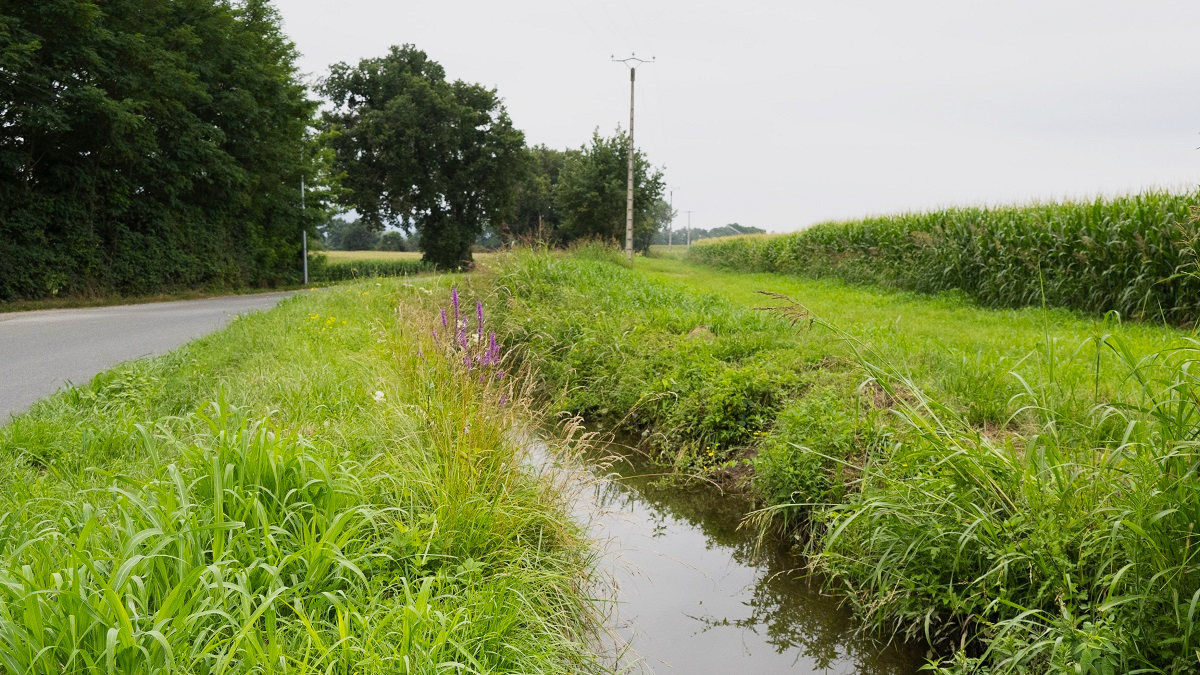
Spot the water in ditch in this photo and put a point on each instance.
(693, 594)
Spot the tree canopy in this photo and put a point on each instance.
(416, 150)
(590, 194)
(147, 145)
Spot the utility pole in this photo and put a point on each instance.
(689, 231)
(303, 232)
(671, 221)
(632, 61)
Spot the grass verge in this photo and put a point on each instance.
(1017, 488)
(319, 488)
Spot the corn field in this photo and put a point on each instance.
(1134, 255)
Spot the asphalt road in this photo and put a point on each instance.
(42, 350)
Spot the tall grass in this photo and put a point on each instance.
(320, 488)
(349, 270)
(1130, 254)
(1016, 488)
(1068, 548)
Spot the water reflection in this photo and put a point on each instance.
(693, 595)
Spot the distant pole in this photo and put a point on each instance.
(303, 232)
(689, 231)
(671, 220)
(632, 62)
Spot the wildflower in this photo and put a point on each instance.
(493, 353)
(443, 318)
(454, 302)
(479, 317)
(379, 396)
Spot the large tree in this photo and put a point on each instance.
(416, 150)
(146, 145)
(591, 192)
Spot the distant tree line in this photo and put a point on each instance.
(679, 235)
(342, 234)
(149, 145)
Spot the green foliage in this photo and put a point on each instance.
(413, 149)
(1131, 254)
(304, 491)
(321, 270)
(1019, 489)
(1066, 549)
(699, 380)
(148, 147)
(591, 193)
(536, 214)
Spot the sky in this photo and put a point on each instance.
(784, 114)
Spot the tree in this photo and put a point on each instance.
(393, 240)
(591, 192)
(535, 212)
(148, 145)
(664, 217)
(415, 150)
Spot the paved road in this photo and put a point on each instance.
(40, 351)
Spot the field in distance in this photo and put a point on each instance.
(348, 256)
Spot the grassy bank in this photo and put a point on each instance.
(1015, 487)
(1130, 254)
(319, 488)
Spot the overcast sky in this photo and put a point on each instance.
(782, 114)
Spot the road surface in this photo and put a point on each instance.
(42, 350)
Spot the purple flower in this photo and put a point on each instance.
(454, 301)
(479, 317)
(435, 335)
(499, 374)
(443, 318)
(503, 399)
(493, 348)
(421, 353)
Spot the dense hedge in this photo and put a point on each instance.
(1136, 255)
(147, 147)
(361, 269)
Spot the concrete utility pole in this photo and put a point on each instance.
(304, 232)
(671, 222)
(689, 234)
(633, 61)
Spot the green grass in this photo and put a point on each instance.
(1015, 487)
(319, 488)
(1134, 255)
